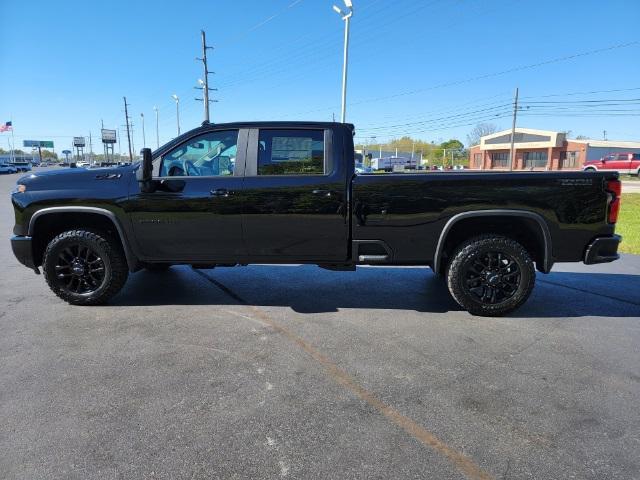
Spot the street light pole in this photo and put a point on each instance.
(155, 109)
(175, 97)
(144, 137)
(347, 19)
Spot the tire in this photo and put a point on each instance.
(84, 267)
(590, 169)
(490, 275)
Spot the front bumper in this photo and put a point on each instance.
(603, 250)
(22, 249)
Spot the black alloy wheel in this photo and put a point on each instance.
(80, 269)
(492, 278)
(490, 275)
(85, 267)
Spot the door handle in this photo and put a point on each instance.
(220, 192)
(324, 193)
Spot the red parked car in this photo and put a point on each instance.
(626, 162)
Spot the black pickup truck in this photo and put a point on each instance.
(286, 192)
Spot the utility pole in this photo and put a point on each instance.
(177, 99)
(413, 149)
(346, 16)
(155, 109)
(144, 138)
(513, 131)
(90, 149)
(604, 134)
(204, 84)
(105, 157)
(126, 117)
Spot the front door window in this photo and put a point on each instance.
(211, 154)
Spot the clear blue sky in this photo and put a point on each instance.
(64, 66)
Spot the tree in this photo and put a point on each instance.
(480, 130)
(452, 144)
(49, 154)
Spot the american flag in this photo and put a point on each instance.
(6, 127)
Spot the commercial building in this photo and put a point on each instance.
(18, 157)
(541, 150)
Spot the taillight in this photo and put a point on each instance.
(614, 188)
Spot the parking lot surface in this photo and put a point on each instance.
(297, 372)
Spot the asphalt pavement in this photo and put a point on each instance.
(296, 372)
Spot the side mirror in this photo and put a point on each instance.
(144, 172)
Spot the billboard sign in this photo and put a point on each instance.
(78, 142)
(37, 143)
(108, 136)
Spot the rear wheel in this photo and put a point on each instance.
(490, 275)
(84, 267)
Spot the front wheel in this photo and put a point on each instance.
(490, 275)
(84, 267)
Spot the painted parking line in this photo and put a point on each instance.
(463, 463)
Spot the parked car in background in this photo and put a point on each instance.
(388, 164)
(7, 168)
(625, 162)
(22, 166)
(459, 167)
(360, 168)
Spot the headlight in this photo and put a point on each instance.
(20, 188)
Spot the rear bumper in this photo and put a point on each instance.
(603, 250)
(22, 249)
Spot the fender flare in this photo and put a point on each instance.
(547, 262)
(130, 257)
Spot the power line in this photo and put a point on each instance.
(584, 93)
(260, 24)
(491, 75)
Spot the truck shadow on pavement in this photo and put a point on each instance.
(309, 289)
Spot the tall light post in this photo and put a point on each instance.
(346, 16)
(144, 136)
(155, 109)
(175, 97)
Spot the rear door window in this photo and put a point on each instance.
(291, 152)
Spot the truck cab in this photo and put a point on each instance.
(287, 192)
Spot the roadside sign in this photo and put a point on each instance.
(37, 143)
(108, 136)
(78, 142)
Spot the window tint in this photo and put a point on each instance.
(636, 156)
(623, 157)
(291, 152)
(210, 154)
(535, 159)
(500, 159)
(569, 159)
